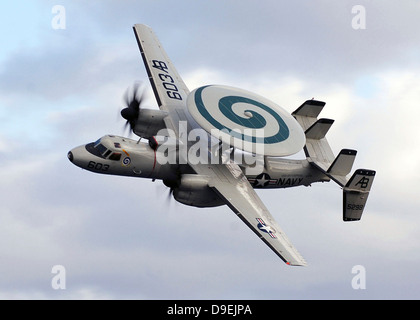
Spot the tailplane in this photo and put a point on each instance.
(318, 152)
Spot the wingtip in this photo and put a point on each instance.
(297, 264)
(141, 25)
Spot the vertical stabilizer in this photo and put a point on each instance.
(355, 194)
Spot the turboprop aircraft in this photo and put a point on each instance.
(212, 146)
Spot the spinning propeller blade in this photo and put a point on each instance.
(133, 101)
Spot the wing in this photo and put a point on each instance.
(170, 91)
(231, 184)
(226, 179)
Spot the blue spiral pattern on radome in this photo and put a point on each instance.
(257, 121)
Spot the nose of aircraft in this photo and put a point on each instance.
(78, 156)
(70, 156)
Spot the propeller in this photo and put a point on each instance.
(171, 185)
(133, 101)
(169, 197)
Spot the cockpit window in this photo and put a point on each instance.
(97, 142)
(101, 148)
(106, 154)
(115, 156)
(98, 149)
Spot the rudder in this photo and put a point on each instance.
(355, 194)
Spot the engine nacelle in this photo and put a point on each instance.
(149, 122)
(193, 190)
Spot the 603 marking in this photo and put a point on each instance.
(167, 80)
(98, 166)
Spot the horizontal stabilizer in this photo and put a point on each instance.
(355, 194)
(310, 108)
(343, 163)
(319, 129)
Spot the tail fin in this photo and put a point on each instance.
(355, 194)
(341, 166)
(317, 149)
(319, 154)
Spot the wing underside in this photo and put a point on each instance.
(231, 185)
(167, 85)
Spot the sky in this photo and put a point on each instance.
(62, 83)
